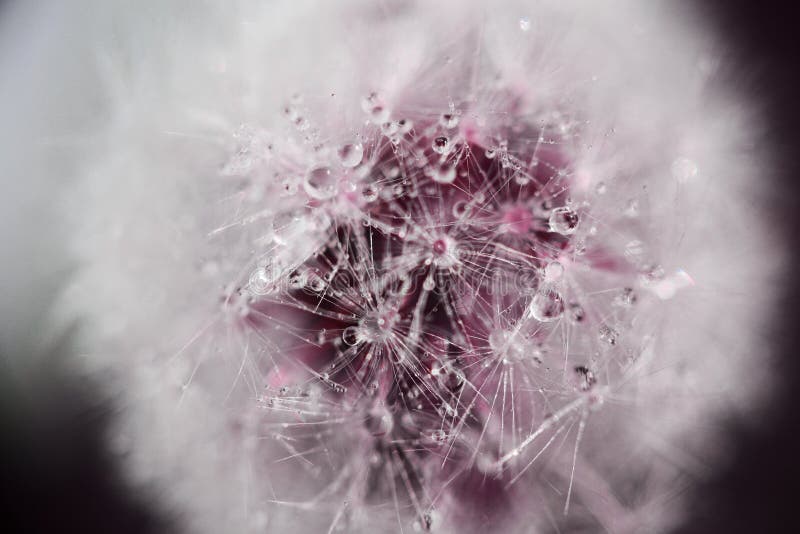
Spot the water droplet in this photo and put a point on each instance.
(683, 169)
(459, 209)
(375, 109)
(427, 521)
(297, 280)
(370, 192)
(449, 120)
(564, 220)
(390, 128)
(316, 283)
(428, 284)
(524, 24)
(576, 312)
(350, 336)
(522, 179)
(405, 125)
(291, 113)
(586, 378)
(260, 282)
(490, 153)
(547, 305)
(444, 174)
(441, 144)
(439, 436)
(351, 154)
(451, 378)
(320, 183)
(379, 421)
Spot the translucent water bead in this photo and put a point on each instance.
(320, 183)
(351, 154)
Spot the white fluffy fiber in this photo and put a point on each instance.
(159, 87)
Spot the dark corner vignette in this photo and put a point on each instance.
(757, 490)
(57, 473)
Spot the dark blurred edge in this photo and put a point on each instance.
(758, 492)
(56, 474)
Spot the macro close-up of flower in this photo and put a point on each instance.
(392, 266)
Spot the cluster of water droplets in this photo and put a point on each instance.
(414, 274)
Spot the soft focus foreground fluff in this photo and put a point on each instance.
(417, 266)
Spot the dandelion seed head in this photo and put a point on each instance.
(444, 295)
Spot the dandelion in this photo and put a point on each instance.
(444, 297)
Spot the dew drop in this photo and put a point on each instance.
(297, 280)
(451, 378)
(449, 120)
(459, 209)
(444, 174)
(379, 422)
(260, 282)
(372, 106)
(441, 144)
(586, 378)
(320, 183)
(390, 128)
(351, 154)
(427, 521)
(522, 179)
(524, 24)
(564, 220)
(490, 153)
(576, 312)
(350, 336)
(428, 284)
(370, 192)
(291, 113)
(405, 125)
(439, 436)
(547, 305)
(316, 283)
